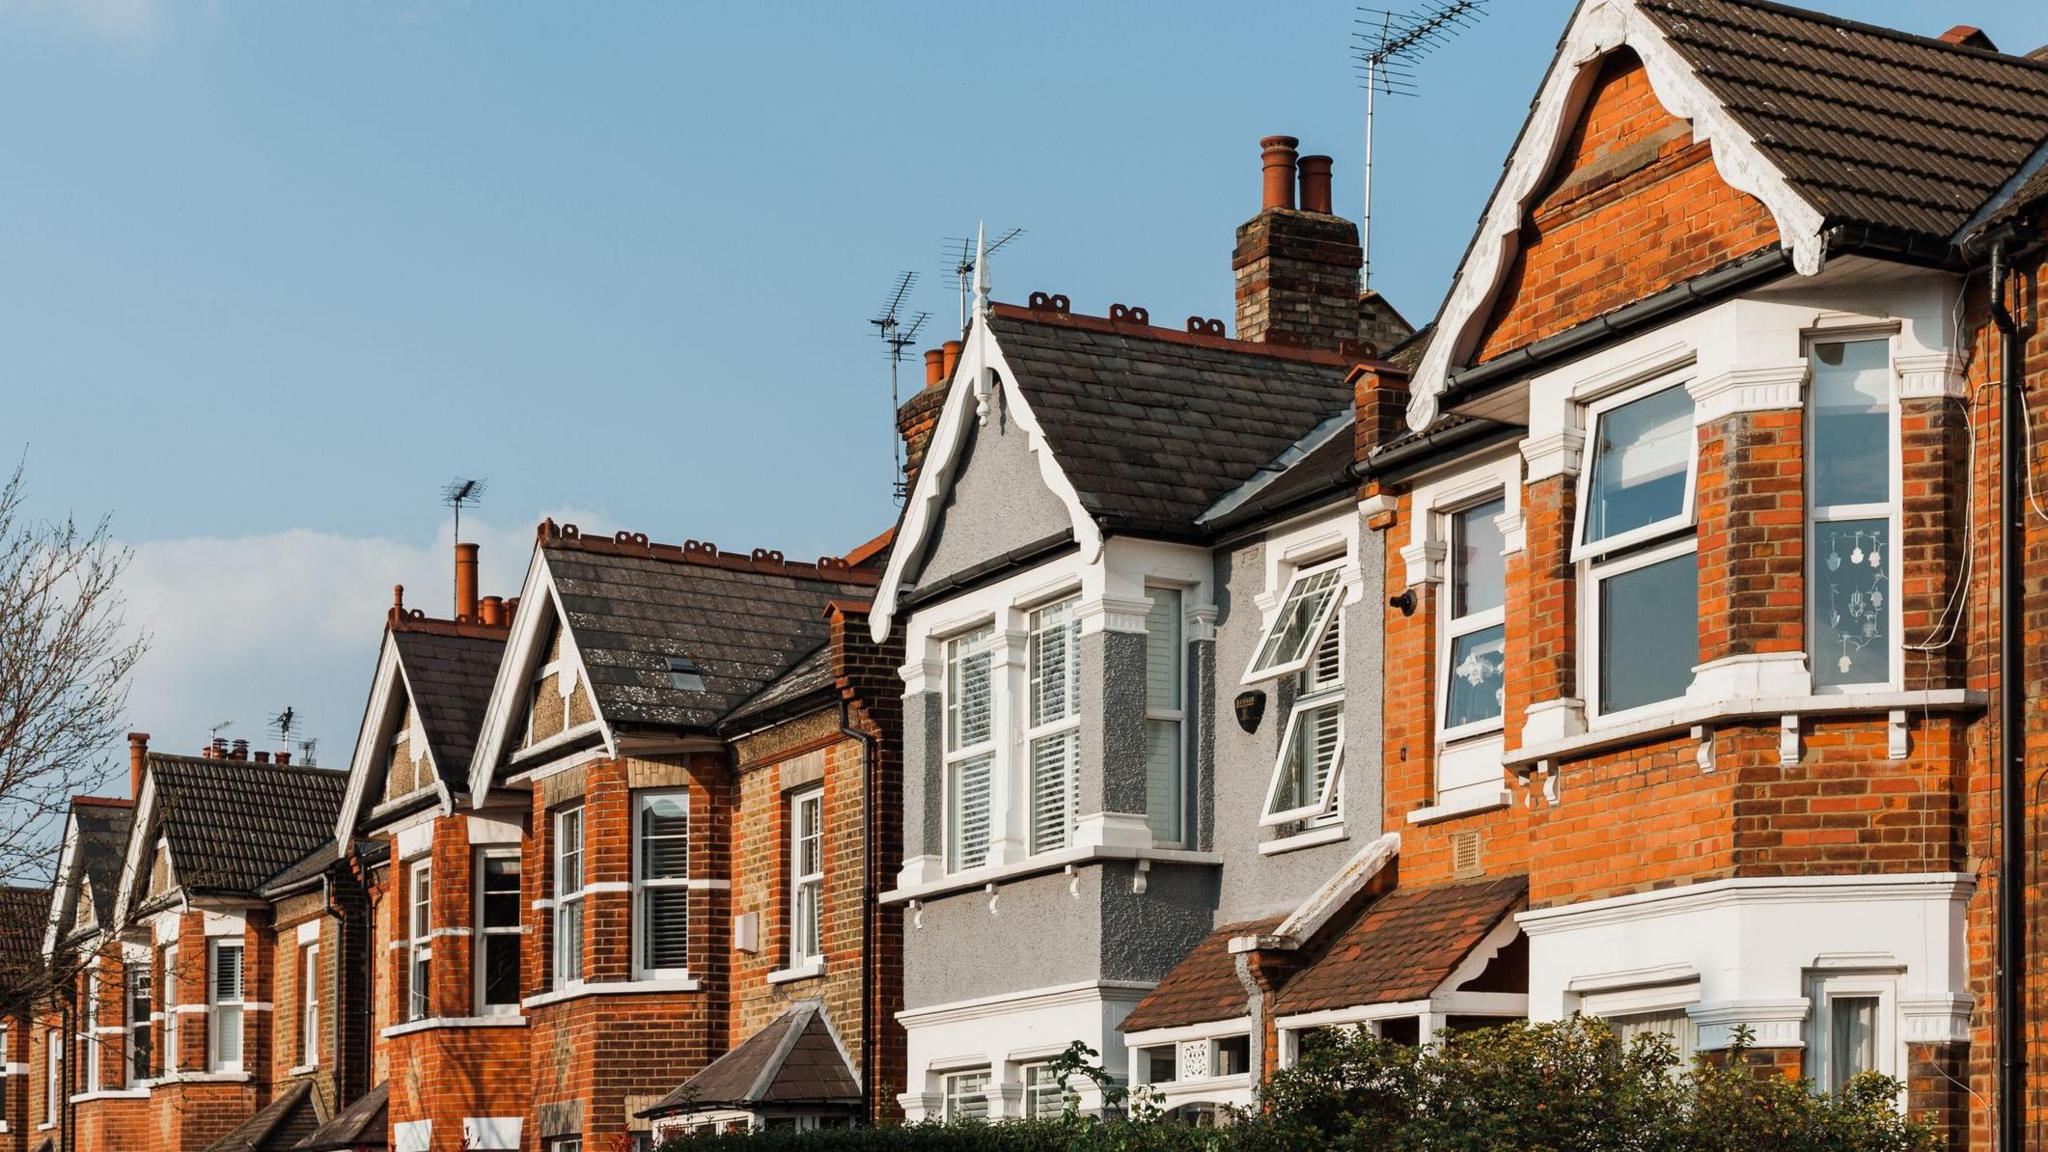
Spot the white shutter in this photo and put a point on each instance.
(1055, 663)
(1162, 778)
(665, 930)
(970, 811)
(1325, 733)
(1054, 798)
(1163, 651)
(970, 716)
(227, 974)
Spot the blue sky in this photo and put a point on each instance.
(275, 272)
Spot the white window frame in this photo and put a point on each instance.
(642, 886)
(53, 1075)
(88, 1037)
(1457, 628)
(309, 1004)
(1591, 576)
(169, 1060)
(215, 1004)
(419, 940)
(1067, 724)
(806, 889)
(952, 1097)
(1050, 1085)
(1303, 573)
(1891, 511)
(1686, 517)
(1328, 808)
(969, 643)
(1176, 716)
(485, 933)
(131, 1025)
(568, 900)
(1823, 989)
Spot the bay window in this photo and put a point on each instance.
(1043, 1099)
(224, 1006)
(1853, 1029)
(661, 883)
(806, 877)
(966, 1096)
(419, 942)
(171, 1005)
(1852, 493)
(1635, 540)
(1165, 711)
(568, 967)
(1475, 633)
(498, 923)
(1053, 735)
(970, 747)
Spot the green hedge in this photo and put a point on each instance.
(1518, 1088)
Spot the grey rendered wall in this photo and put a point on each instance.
(1112, 722)
(923, 795)
(1255, 886)
(1005, 503)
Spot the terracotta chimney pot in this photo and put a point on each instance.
(1279, 153)
(284, 757)
(950, 357)
(465, 581)
(934, 367)
(1315, 184)
(241, 751)
(491, 611)
(263, 757)
(138, 762)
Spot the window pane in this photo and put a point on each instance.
(1310, 758)
(1055, 663)
(1852, 1039)
(969, 718)
(1851, 602)
(807, 916)
(1649, 633)
(1640, 453)
(1300, 620)
(1852, 423)
(966, 1097)
(227, 1043)
(568, 942)
(1163, 651)
(664, 837)
(1675, 1025)
(1479, 572)
(501, 891)
(664, 932)
(1042, 1098)
(967, 805)
(501, 969)
(1055, 797)
(1478, 677)
(227, 973)
(1162, 778)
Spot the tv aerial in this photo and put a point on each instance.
(961, 264)
(898, 332)
(1389, 47)
(459, 494)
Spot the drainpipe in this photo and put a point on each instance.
(2012, 1059)
(868, 910)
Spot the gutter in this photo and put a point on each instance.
(1471, 435)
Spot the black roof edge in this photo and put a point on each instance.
(377, 817)
(787, 710)
(1237, 525)
(1434, 448)
(988, 570)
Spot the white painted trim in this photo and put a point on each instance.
(1690, 713)
(1724, 893)
(373, 744)
(1469, 806)
(616, 988)
(934, 480)
(809, 971)
(309, 932)
(492, 1132)
(988, 1007)
(1599, 27)
(110, 1094)
(1078, 855)
(1748, 388)
(437, 1022)
(1313, 838)
(540, 605)
(412, 1136)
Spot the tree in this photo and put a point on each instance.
(65, 657)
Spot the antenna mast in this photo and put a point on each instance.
(897, 334)
(963, 265)
(1389, 47)
(459, 494)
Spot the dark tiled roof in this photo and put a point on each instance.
(23, 912)
(809, 675)
(793, 1060)
(743, 622)
(1870, 125)
(102, 845)
(1202, 987)
(360, 1125)
(450, 673)
(319, 860)
(1153, 426)
(1405, 944)
(232, 824)
(1321, 471)
(289, 1118)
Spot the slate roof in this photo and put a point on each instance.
(1321, 471)
(1203, 987)
(1152, 426)
(743, 620)
(233, 824)
(102, 845)
(290, 1117)
(791, 1060)
(362, 1124)
(807, 676)
(24, 912)
(450, 671)
(1869, 125)
(1406, 944)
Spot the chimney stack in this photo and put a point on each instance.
(465, 581)
(241, 751)
(1297, 269)
(1315, 184)
(138, 762)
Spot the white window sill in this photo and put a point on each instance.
(1689, 714)
(1046, 862)
(1314, 837)
(1465, 806)
(200, 1078)
(111, 1094)
(433, 1022)
(46, 1127)
(302, 1070)
(621, 988)
(811, 971)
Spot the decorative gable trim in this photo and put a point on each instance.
(139, 855)
(390, 695)
(539, 606)
(981, 356)
(1598, 28)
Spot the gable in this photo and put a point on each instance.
(86, 916)
(1633, 204)
(560, 700)
(161, 876)
(998, 502)
(409, 765)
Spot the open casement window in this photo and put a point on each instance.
(1312, 599)
(1306, 777)
(171, 1013)
(1641, 567)
(970, 747)
(1165, 713)
(138, 1001)
(806, 878)
(1053, 735)
(224, 1006)
(309, 1005)
(966, 1096)
(1474, 652)
(661, 883)
(419, 942)
(498, 923)
(1852, 490)
(568, 954)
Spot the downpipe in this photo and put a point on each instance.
(2012, 1057)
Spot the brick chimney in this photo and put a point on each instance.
(1297, 268)
(465, 581)
(138, 762)
(918, 418)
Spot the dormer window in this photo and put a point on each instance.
(684, 675)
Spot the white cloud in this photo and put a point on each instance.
(114, 19)
(242, 627)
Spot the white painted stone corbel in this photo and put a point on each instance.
(1514, 534)
(1548, 721)
(1073, 876)
(1142, 878)
(1748, 388)
(1549, 771)
(1788, 738)
(993, 896)
(1895, 732)
(1556, 454)
(917, 915)
(1202, 623)
(1112, 614)
(1378, 504)
(1424, 561)
(1704, 754)
(1931, 375)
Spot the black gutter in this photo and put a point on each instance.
(1679, 299)
(1412, 455)
(987, 571)
(2012, 1057)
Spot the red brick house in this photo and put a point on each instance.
(77, 1074)
(23, 988)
